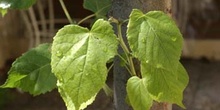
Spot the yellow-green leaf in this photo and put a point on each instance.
(138, 95)
(165, 85)
(156, 41)
(154, 38)
(79, 58)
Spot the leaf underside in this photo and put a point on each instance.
(32, 71)
(79, 59)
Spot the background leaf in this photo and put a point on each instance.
(17, 4)
(3, 11)
(138, 95)
(32, 71)
(79, 59)
(157, 42)
(14, 4)
(99, 7)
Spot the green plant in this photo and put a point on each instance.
(76, 61)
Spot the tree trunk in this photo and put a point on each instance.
(121, 10)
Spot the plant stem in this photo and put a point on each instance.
(126, 50)
(126, 63)
(84, 19)
(108, 90)
(126, 66)
(66, 12)
(123, 59)
(110, 67)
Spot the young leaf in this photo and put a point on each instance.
(79, 59)
(16, 4)
(32, 71)
(99, 7)
(138, 95)
(154, 38)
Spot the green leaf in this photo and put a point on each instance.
(154, 38)
(32, 71)
(99, 7)
(156, 41)
(3, 11)
(165, 85)
(16, 4)
(138, 95)
(79, 59)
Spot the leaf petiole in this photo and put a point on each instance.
(126, 62)
(66, 12)
(108, 91)
(110, 67)
(86, 18)
(126, 50)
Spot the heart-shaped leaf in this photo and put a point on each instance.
(157, 42)
(154, 38)
(138, 95)
(79, 58)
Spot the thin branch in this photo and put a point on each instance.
(66, 12)
(126, 66)
(126, 50)
(110, 67)
(123, 59)
(108, 90)
(88, 17)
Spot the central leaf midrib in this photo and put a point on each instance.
(158, 38)
(84, 67)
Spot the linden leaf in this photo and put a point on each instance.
(32, 71)
(156, 41)
(154, 38)
(138, 95)
(79, 58)
(165, 85)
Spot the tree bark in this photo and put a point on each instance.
(121, 10)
